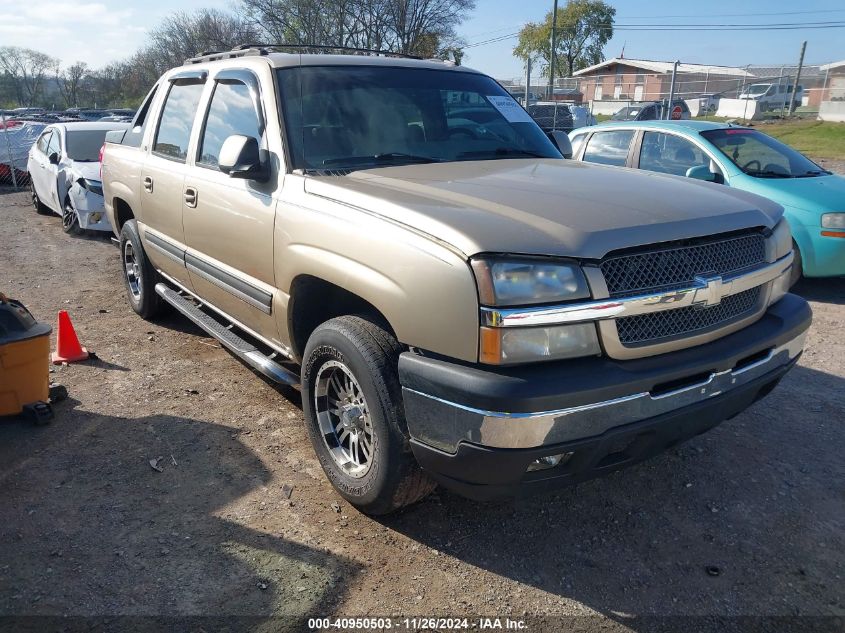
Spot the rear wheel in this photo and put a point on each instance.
(139, 275)
(353, 411)
(36, 201)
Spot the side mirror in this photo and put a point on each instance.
(561, 141)
(53, 158)
(704, 172)
(240, 157)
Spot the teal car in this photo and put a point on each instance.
(740, 157)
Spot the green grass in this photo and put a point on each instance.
(819, 139)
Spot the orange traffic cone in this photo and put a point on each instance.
(68, 349)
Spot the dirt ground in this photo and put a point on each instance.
(747, 520)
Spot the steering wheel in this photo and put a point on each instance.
(462, 131)
(753, 162)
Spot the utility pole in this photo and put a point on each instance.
(797, 79)
(554, 44)
(527, 81)
(672, 90)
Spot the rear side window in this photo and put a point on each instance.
(177, 119)
(576, 142)
(232, 111)
(44, 141)
(609, 148)
(54, 146)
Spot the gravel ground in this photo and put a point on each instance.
(745, 520)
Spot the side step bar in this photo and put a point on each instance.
(241, 348)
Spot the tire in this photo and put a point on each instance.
(139, 275)
(70, 219)
(39, 206)
(797, 266)
(388, 478)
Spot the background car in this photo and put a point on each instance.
(652, 111)
(771, 96)
(740, 157)
(64, 170)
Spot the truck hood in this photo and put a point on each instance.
(547, 206)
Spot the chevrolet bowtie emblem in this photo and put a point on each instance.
(709, 291)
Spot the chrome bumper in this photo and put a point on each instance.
(497, 429)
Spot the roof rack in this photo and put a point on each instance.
(243, 50)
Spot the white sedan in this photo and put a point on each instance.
(64, 169)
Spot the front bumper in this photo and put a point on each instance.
(478, 430)
(90, 208)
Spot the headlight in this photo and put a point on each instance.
(833, 221)
(94, 186)
(506, 346)
(527, 282)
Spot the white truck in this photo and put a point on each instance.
(772, 96)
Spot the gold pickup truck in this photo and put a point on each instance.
(460, 304)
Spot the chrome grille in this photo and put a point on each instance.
(677, 267)
(648, 328)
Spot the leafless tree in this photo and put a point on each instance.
(71, 81)
(26, 71)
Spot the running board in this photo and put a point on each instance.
(241, 348)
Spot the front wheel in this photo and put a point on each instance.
(797, 266)
(139, 275)
(353, 409)
(70, 219)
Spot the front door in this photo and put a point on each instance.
(163, 180)
(229, 221)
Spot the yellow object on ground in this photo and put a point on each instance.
(24, 358)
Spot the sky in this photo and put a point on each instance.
(98, 32)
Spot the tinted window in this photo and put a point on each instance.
(670, 154)
(136, 133)
(85, 144)
(177, 118)
(359, 117)
(231, 112)
(609, 148)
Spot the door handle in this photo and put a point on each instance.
(148, 184)
(191, 197)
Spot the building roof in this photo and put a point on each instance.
(832, 66)
(664, 67)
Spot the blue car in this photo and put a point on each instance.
(740, 157)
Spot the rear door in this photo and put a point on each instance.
(163, 174)
(229, 222)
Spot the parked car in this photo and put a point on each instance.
(64, 173)
(458, 303)
(772, 96)
(16, 140)
(744, 159)
(709, 102)
(652, 111)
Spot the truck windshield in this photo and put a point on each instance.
(84, 145)
(358, 117)
(758, 89)
(761, 156)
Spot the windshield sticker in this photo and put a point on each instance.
(509, 109)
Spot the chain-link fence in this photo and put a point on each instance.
(16, 139)
(744, 92)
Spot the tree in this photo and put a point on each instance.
(70, 82)
(25, 71)
(583, 29)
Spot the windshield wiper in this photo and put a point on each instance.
(769, 174)
(378, 159)
(814, 172)
(499, 151)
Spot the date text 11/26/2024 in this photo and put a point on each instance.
(417, 624)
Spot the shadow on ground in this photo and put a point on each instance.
(697, 530)
(823, 290)
(73, 544)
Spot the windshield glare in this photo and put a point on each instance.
(84, 145)
(356, 117)
(760, 155)
(758, 89)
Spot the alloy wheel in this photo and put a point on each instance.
(132, 269)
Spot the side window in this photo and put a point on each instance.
(54, 146)
(232, 111)
(135, 135)
(177, 119)
(670, 154)
(44, 141)
(576, 143)
(609, 148)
